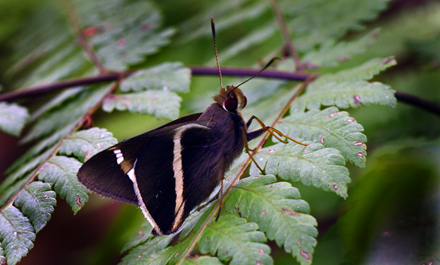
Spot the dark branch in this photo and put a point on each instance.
(38, 90)
(418, 102)
(250, 72)
(227, 71)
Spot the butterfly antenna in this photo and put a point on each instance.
(216, 53)
(264, 68)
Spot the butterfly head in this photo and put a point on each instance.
(231, 99)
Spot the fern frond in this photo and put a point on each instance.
(315, 22)
(37, 201)
(278, 210)
(363, 72)
(332, 128)
(312, 165)
(150, 252)
(16, 234)
(84, 144)
(331, 53)
(202, 260)
(69, 115)
(12, 118)
(162, 104)
(345, 95)
(348, 88)
(20, 222)
(60, 172)
(166, 76)
(240, 243)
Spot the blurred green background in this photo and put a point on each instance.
(392, 213)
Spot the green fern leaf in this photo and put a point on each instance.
(161, 104)
(143, 235)
(202, 260)
(12, 118)
(19, 223)
(69, 115)
(16, 234)
(365, 71)
(166, 76)
(331, 127)
(37, 201)
(132, 31)
(314, 164)
(86, 143)
(55, 102)
(150, 252)
(232, 238)
(60, 172)
(315, 22)
(231, 12)
(331, 53)
(279, 212)
(22, 169)
(345, 95)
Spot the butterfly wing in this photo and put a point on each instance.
(168, 182)
(106, 172)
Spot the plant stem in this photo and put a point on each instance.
(228, 71)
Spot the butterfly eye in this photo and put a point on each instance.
(231, 104)
(244, 101)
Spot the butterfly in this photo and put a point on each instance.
(170, 170)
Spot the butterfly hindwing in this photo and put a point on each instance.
(103, 174)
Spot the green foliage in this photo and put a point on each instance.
(20, 222)
(166, 76)
(330, 127)
(84, 144)
(241, 243)
(314, 164)
(279, 212)
(161, 104)
(12, 118)
(60, 172)
(202, 260)
(120, 34)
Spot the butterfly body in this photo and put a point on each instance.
(170, 170)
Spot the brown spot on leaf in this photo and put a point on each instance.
(357, 99)
(290, 212)
(305, 254)
(332, 114)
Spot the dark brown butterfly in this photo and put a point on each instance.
(168, 171)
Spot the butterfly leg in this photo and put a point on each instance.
(248, 150)
(276, 133)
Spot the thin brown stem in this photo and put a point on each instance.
(285, 32)
(227, 71)
(76, 25)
